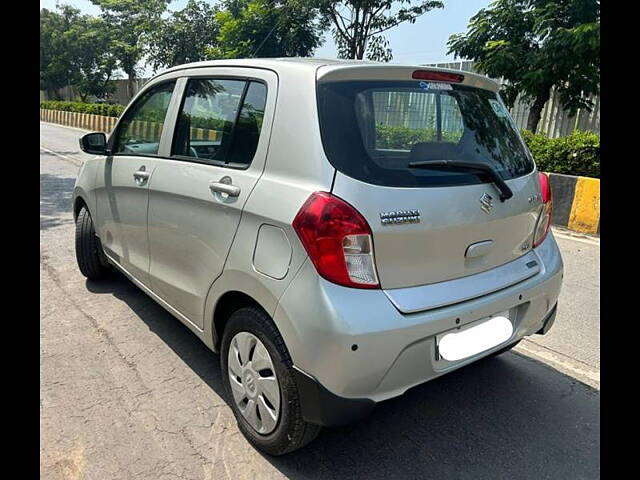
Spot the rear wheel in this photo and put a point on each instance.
(257, 374)
(91, 259)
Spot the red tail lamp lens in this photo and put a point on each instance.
(338, 240)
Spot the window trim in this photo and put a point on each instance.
(244, 78)
(113, 138)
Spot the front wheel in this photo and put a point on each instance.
(89, 255)
(257, 374)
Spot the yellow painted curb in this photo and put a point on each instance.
(585, 209)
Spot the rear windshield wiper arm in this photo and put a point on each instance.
(505, 191)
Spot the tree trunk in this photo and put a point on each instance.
(131, 85)
(536, 109)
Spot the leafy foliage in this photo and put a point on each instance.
(105, 109)
(576, 154)
(535, 45)
(184, 36)
(55, 58)
(403, 138)
(74, 50)
(131, 23)
(89, 41)
(358, 24)
(266, 28)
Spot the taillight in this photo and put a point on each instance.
(338, 240)
(437, 76)
(544, 220)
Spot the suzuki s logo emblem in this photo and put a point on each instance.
(486, 203)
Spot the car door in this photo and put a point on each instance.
(123, 186)
(196, 196)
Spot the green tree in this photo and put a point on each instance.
(89, 44)
(131, 22)
(358, 25)
(56, 66)
(267, 28)
(185, 36)
(534, 46)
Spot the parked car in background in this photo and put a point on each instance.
(338, 231)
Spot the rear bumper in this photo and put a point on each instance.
(324, 408)
(359, 349)
(548, 321)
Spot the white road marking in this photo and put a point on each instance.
(66, 126)
(75, 161)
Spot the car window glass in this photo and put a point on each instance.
(401, 122)
(403, 118)
(247, 131)
(140, 130)
(207, 117)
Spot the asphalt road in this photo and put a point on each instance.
(129, 392)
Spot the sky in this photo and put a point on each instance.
(425, 41)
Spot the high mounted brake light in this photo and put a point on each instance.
(338, 240)
(437, 76)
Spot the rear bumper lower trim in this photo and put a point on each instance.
(548, 321)
(322, 407)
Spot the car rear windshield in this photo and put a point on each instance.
(372, 130)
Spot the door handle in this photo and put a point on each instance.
(225, 186)
(141, 175)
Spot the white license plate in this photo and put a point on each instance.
(464, 343)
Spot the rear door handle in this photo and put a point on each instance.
(225, 186)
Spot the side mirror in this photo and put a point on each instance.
(94, 143)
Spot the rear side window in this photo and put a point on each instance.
(140, 130)
(372, 130)
(220, 121)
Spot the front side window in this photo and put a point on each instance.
(220, 121)
(373, 130)
(140, 130)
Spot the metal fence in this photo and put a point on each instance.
(415, 110)
(554, 121)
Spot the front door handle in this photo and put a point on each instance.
(141, 175)
(225, 186)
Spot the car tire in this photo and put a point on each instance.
(291, 431)
(92, 262)
(505, 349)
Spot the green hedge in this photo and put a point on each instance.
(576, 154)
(105, 109)
(403, 138)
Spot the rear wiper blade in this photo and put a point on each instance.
(503, 188)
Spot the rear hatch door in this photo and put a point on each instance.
(429, 225)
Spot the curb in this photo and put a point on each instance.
(576, 202)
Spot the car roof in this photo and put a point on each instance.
(286, 65)
(271, 63)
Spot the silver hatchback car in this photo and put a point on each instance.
(339, 231)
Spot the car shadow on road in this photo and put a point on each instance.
(55, 200)
(507, 417)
